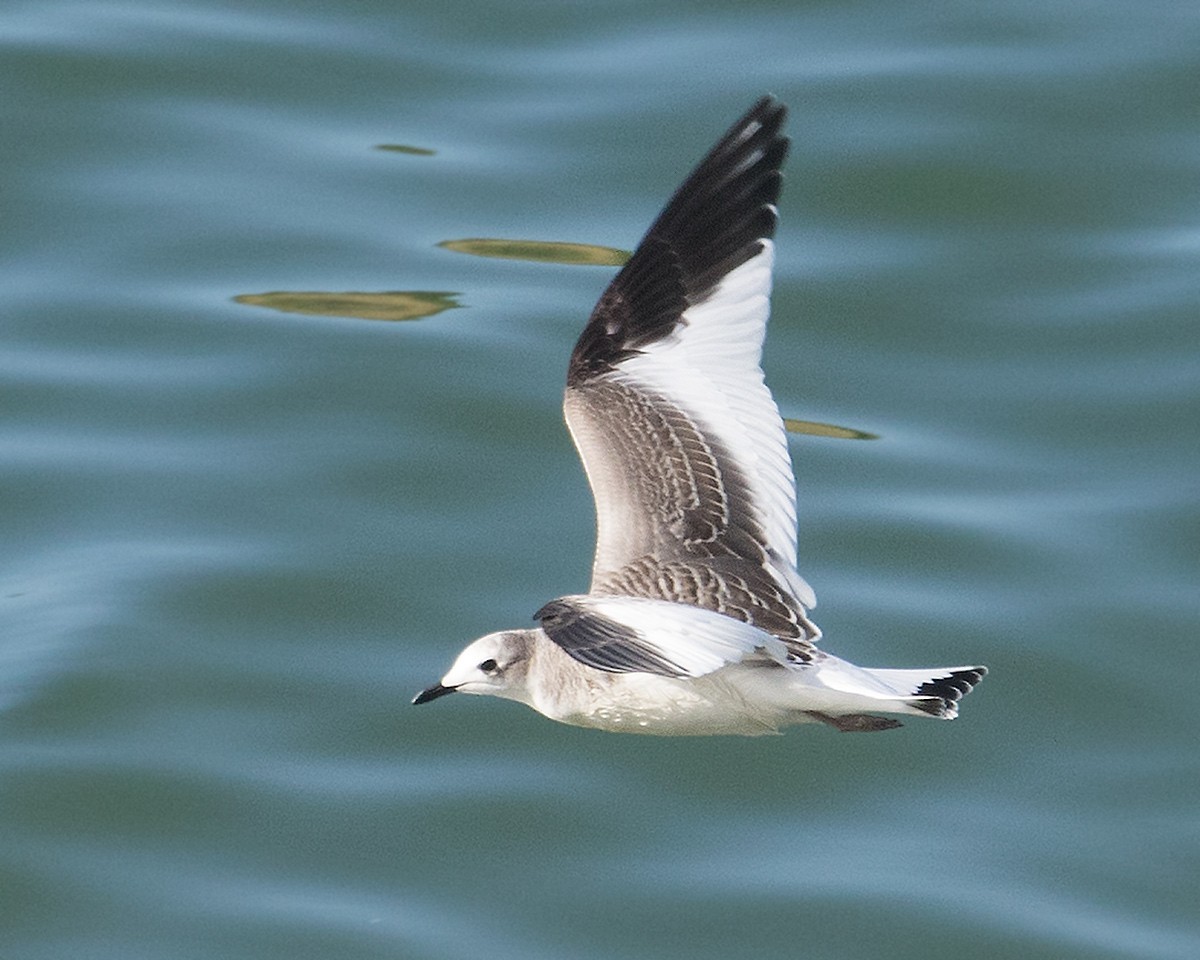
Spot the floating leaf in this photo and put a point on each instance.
(540, 251)
(814, 429)
(392, 305)
(405, 148)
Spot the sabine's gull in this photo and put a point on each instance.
(697, 621)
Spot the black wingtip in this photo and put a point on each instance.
(769, 108)
(715, 222)
(739, 175)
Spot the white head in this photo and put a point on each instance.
(495, 665)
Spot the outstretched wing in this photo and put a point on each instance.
(682, 442)
(636, 635)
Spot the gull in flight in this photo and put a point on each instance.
(697, 621)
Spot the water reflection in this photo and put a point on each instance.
(406, 148)
(814, 429)
(389, 305)
(540, 251)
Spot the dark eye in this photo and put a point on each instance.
(489, 666)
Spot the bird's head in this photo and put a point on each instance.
(494, 665)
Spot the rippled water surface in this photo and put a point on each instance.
(237, 537)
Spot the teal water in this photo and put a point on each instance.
(236, 540)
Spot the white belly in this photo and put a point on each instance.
(646, 703)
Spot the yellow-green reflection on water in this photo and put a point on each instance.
(814, 429)
(406, 148)
(389, 305)
(540, 251)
